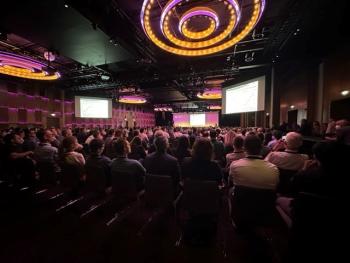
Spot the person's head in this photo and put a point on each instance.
(277, 134)
(96, 147)
(118, 133)
(238, 143)
(96, 134)
(161, 143)
(20, 133)
(261, 137)
(316, 124)
(16, 138)
(202, 149)
(304, 122)
(260, 130)
(32, 133)
(111, 132)
(229, 137)
(205, 134)
(122, 147)
(183, 143)
(213, 134)
(158, 133)
(294, 141)
(69, 144)
(54, 131)
(67, 132)
(136, 141)
(252, 145)
(45, 135)
(142, 130)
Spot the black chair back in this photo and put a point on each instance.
(47, 172)
(71, 174)
(124, 185)
(318, 227)
(284, 180)
(201, 197)
(96, 180)
(252, 206)
(158, 190)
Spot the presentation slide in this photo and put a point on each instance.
(196, 119)
(88, 107)
(248, 96)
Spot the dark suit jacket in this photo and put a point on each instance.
(201, 170)
(163, 164)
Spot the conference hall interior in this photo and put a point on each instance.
(174, 131)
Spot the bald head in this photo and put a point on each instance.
(294, 141)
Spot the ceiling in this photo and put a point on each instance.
(96, 38)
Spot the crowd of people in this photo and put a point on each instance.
(248, 157)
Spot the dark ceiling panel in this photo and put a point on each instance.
(50, 24)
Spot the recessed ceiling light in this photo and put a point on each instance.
(345, 92)
(292, 106)
(66, 5)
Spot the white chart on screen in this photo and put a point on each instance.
(197, 120)
(93, 108)
(243, 98)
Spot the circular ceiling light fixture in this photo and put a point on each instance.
(132, 99)
(25, 67)
(210, 94)
(173, 34)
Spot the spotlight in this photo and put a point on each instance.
(53, 114)
(292, 107)
(345, 92)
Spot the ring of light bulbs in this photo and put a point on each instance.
(197, 43)
(24, 67)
